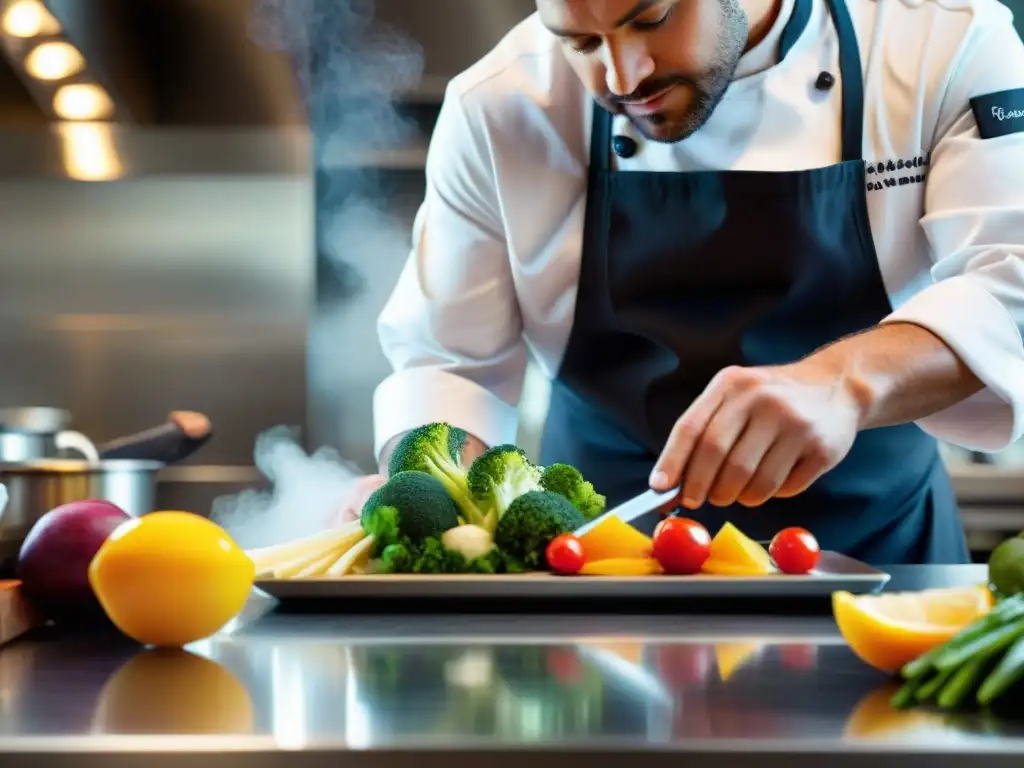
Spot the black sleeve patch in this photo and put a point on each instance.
(999, 114)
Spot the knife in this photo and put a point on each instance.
(627, 512)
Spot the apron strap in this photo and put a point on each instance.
(853, 81)
(795, 26)
(600, 139)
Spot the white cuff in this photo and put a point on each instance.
(979, 329)
(413, 397)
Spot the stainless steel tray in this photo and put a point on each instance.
(834, 572)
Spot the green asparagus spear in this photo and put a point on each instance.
(934, 684)
(965, 679)
(1009, 670)
(994, 641)
(906, 696)
(924, 663)
(1002, 613)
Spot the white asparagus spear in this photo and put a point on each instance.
(268, 558)
(299, 564)
(352, 558)
(320, 567)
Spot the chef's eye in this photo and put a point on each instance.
(648, 24)
(589, 45)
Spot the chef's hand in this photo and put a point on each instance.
(353, 505)
(755, 433)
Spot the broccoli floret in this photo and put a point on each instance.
(498, 477)
(396, 558)
(531, 522)
(381, 523)
(567, 481)
(434, 558)
(436, 449)
(431, 557)
(409, 504)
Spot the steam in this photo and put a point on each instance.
(307, 494)
(349, 66)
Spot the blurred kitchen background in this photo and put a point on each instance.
(205, 203)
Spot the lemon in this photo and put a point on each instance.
(171, 578)
(170, 690)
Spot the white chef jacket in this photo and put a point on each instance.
(493, 273)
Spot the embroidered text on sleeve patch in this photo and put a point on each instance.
(999, 114)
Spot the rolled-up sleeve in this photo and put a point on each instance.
(974, 222)
(451, 329)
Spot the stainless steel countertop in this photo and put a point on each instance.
(453, 689)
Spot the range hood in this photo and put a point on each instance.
(225, 86)
(165, 63)
(226, 63)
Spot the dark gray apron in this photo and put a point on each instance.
(684, 274)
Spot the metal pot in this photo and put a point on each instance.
(125, 474)
(36, 487)
(38, 433)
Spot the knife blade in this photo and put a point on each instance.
(627, 512)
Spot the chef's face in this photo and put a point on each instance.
(665, 64)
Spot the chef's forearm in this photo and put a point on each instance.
(898, 373)
(470, 451)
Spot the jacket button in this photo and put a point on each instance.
(623, 146)
(825, 81)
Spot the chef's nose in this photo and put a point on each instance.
(627, 65)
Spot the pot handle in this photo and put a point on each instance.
(183, 434)
(69, 440)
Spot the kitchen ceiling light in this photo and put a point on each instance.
(83, 102)
(90, 153)
(54, 61)
(29, 18)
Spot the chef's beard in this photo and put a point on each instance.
(708, 89)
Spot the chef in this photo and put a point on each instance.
(768, 251)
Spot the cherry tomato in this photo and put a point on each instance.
(681, 545)
(683, 664)
(795, 551)
(564, 665)
(801, 656)
(565, 554)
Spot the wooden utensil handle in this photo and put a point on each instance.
(16, 614)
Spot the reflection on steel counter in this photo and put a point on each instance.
(348, 686)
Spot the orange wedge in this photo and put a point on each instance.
(621, 566)
(888, 631)
(731, 656)
(614, 539)
(875, 719)
(719, 568)
(733, 553)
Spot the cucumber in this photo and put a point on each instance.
(1009, 670)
